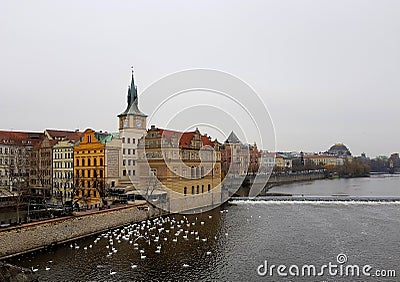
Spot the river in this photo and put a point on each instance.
(231, 242)
(380, 185)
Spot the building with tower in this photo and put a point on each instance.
(132, 126)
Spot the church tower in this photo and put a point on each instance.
(132, 117)
(132, 126)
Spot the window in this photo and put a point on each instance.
(88, 162)
(129, 162)
(133, 172)
(129, 172)
(101, 162)
(192, 190)
(123, 151)
(124, 172)
(133, 140)
(124, 162)
(209, 187)
(133, 151)
(129, 151)
(95, 162)
(185, 191)
(133, 162)
(202, 188)
(129, 140)
(123, 139)
(197, 190)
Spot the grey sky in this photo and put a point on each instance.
(327, 70)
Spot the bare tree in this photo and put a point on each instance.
(17, 171)
(100, 187)
(79, 191)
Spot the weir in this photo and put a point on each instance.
(316, 199)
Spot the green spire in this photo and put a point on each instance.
(132, 107)
(132, 91)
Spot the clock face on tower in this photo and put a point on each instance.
(138, 123)
(125, 123)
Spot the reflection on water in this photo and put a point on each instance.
(239, 237)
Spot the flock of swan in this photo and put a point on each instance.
(151, 232)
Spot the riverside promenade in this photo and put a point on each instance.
(38, 235)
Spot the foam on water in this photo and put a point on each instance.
(345, 202)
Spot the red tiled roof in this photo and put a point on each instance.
(64, 134)
(318, 156)
(51, 143)
(185, 137)
(20, 137)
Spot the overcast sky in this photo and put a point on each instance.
(328, 71)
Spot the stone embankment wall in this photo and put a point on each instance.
(33, 236)
(295, 178)
(12, 273)
(275, 180)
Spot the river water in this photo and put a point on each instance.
(384, 185)
(229, 243)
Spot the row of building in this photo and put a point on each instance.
(87, 168)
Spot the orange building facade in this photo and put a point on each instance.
(89, 170)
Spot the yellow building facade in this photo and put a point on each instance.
(188, 163)
(321, 160)
(89, 170)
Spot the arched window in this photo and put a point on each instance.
(192, 190)
(185, 191)
(83, 162)
(101, 161)
(95, 162)
(197, 190)
(88, 162)
(209, 187)
(202, 188)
